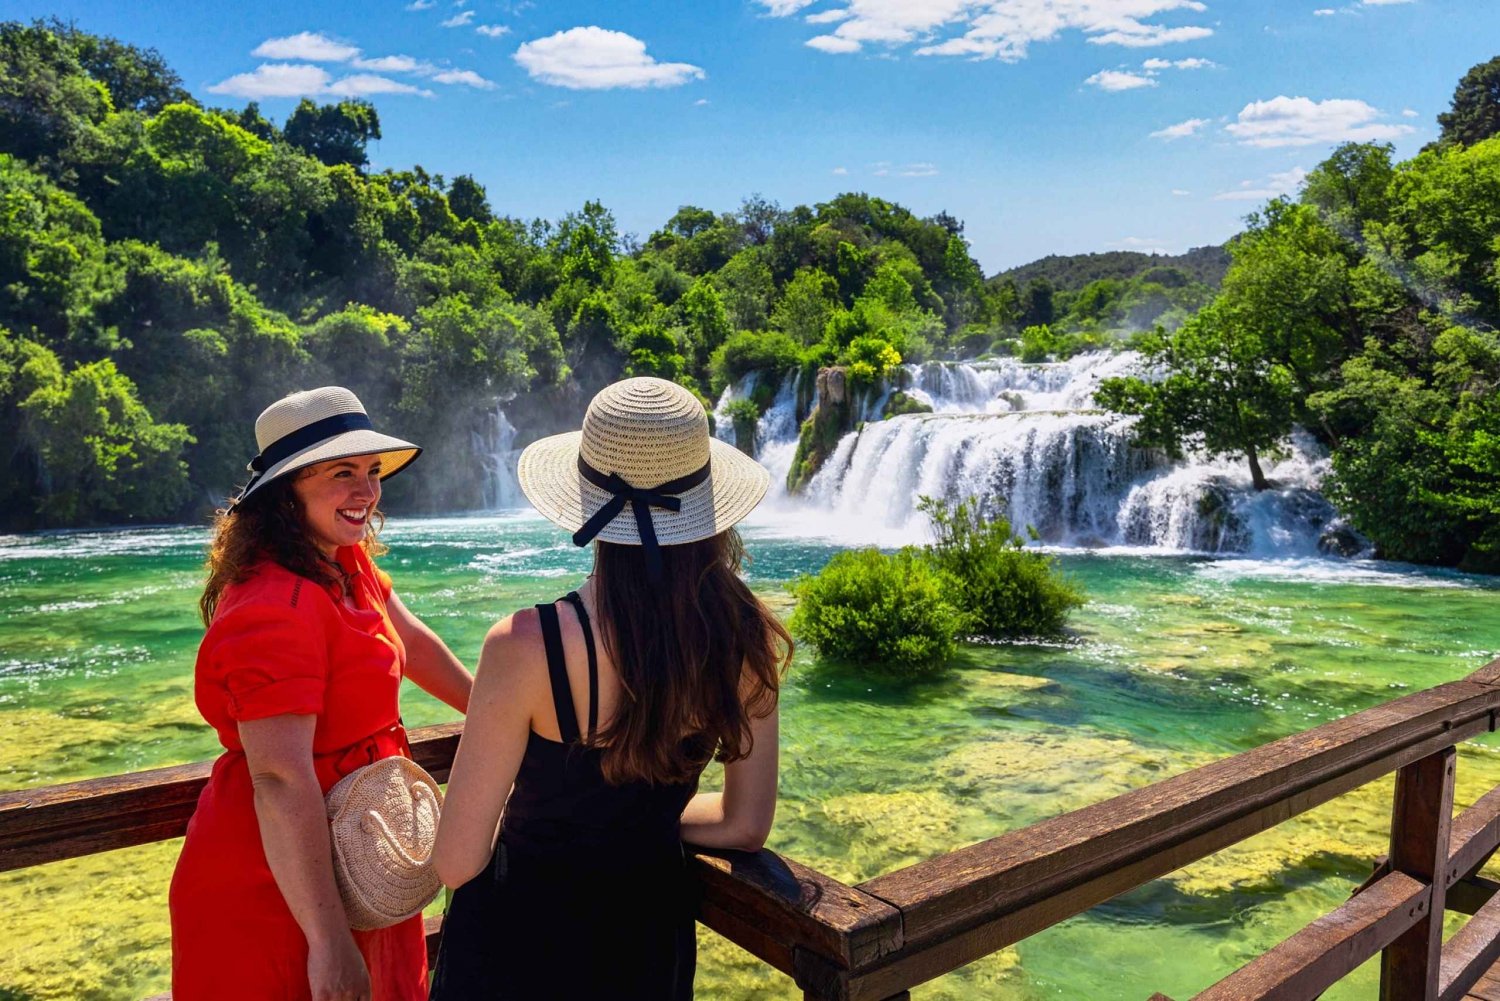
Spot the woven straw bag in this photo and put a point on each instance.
(382, 820)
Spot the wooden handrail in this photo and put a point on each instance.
(875, 940)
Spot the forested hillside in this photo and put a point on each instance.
(168, 269)
(1364, 310)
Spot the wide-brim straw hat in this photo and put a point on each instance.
(649, 433)
(317, 425)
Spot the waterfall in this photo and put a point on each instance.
(494, 446)
(1029, 443)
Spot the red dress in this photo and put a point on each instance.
(282, 644)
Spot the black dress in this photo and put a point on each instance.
(586, 894)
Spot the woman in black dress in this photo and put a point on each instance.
(592, 718)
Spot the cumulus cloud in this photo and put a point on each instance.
(1115, 80)
(1324, 12)
(993, 29)
(1181, 192)
(884, 168)
(1282, 183)
(466, 77)
(1383, 3)
(1299, 121)
(702, 102)
(308, 46)
(274, 80)
(492, 30)
(459, 20)
(396, 64)
(1408, 113)
(421, 4)
(594, 58)
(1181, 130)
(368, 84)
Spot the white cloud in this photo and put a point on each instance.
(1141, 244)
(1115, 80)
(1324, 12)
(1194, 63)
(1299, 121)
(1181, 192)
(421, 5)
(781, 8)
(1157, 64)
(274, 80)
(306, 45)
(466, 77)
(492, 30)
(1181, 130)
(1384, 3)
(840, 171)
(1408, 113)
(396, 64)
(992, 29)
(459, 20)
(702, 102)
(833, 43)
(917, 170)
(367, 84)
(594, 58)
(1281, 183)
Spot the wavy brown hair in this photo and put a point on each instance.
(699, 656)
(269, 525)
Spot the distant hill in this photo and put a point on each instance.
(1201, 264)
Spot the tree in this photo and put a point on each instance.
(101, 455)
(1474, 114)
(48, 104)
(334, 133)
(585, 243)
(1221, 393)
(806, 303)
(467, 199)
(139, 79)
(1352, 187)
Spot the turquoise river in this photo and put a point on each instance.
(1175, 661)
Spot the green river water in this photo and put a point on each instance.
(1175, 661)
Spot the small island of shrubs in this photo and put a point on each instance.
(904, 613)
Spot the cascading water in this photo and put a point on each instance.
(495, 447)
(1028, 442)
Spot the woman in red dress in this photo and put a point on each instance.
(299, 673)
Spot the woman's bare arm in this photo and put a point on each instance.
(741, 816)
(512, 675)
(294, 831)
(429, 662)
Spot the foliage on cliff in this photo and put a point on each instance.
(217, 260)
(1365, 310)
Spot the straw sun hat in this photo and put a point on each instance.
(644, 446)
(314, 426)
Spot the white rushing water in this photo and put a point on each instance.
(1028, 441)
(495, 448)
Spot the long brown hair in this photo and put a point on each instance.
(269, 525)
(698, 656)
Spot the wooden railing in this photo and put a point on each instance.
(876, 940)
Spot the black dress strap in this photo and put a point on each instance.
(557, 670)
(576, 601)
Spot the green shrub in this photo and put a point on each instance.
(899, 403)
(869, 359)
(1004, 589)
(747, 351)
(743, 416)
(889, 613)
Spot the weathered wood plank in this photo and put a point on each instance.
(1467, 896)
(796, 906)
(1475, 835)
(961, 889)
(1422, 816)
(1471, 952)
(1313, 959)
(80, 818)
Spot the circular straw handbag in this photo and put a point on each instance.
(382, 820)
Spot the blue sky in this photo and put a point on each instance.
(1047, 126)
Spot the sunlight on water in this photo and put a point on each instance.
(1175, 661)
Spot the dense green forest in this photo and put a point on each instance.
(1364, 310)
(168, 269)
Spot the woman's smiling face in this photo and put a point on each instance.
(338, 497)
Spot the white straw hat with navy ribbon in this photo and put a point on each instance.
(317, 425)
(644, 445)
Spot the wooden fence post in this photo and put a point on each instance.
(1420, 821)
